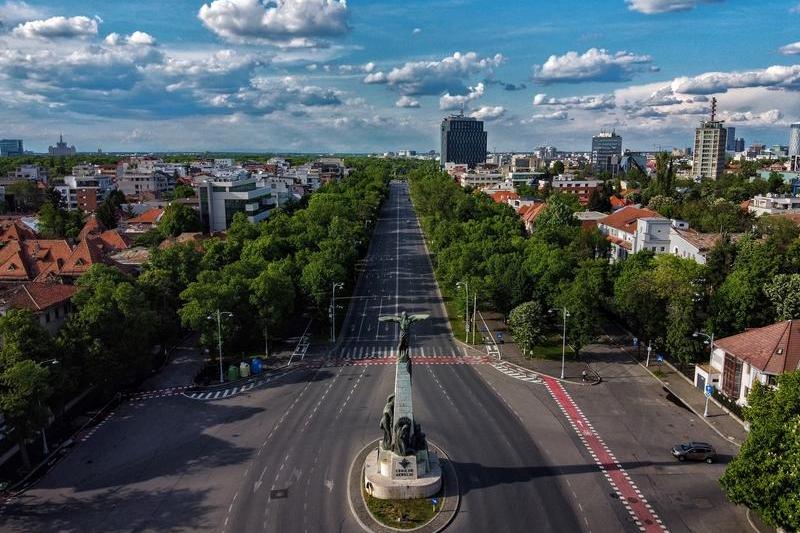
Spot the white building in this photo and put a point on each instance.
(222, 197)
(775, 204)
(86, 191)
(633, 229)
(756, 355)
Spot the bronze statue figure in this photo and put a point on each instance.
(386, 422)
(405, 320)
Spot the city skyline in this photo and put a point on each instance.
(330, 76)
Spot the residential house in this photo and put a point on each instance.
(529, 212)
(569, 184)
(143, 222)
(633, 229)
(692, 244)
(774, 204)
(48, 301)
(756, 355)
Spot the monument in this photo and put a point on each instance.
(402, 467)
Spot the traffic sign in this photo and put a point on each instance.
(660, 358)
(709, 391)
(434, 501)
(635, 342)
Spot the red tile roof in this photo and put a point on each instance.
(151, 216)
(618, 203)
(773, 349)
(91, 227)
(115, 241)
(625, 219)
(38, 296)
(502, 197)
(86, 254)
(531, 212)
(16, 231)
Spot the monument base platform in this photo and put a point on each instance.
(388, 476)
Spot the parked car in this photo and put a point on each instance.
(694, 451)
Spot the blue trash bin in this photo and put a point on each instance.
(256, 366)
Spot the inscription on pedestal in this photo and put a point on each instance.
(404, 467)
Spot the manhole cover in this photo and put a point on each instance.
(278, 494)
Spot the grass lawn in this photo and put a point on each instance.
(455, 316)
(402, 514)
(550, 349)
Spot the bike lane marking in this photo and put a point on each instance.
(641, 511)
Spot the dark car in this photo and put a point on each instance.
(694, 451)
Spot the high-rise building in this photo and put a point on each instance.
(794, 139)
(739, 145)
(463, 141)
(61, 148)
(221, 197)
(606, 152)
(709, 146)
(730, 136)
(11, 147)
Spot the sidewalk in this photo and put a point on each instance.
(510, 352)
(611, 361)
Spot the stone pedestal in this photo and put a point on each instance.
(389, 476)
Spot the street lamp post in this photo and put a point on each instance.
(563, 341)
(465, 284)
(710, 339)
(219, 338)
(649, 349)
(45, 448)
(336, 285)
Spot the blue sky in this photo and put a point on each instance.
(330, 75)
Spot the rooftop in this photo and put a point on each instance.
(773, 349)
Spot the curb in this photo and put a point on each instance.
(244, 381)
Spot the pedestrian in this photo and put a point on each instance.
(583, 376)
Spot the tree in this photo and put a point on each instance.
(665, 175)
(23, 338)
(177, 219)
(117, 323)
(106, 214)
(527, 322)
(24, 391)
(558, 168)
(784, 293)
(183, 191)
(583, 299)
(764, 474)
(273, 296)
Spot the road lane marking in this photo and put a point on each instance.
(631, 497)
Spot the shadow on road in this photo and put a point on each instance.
(111, 511)
(473, 476)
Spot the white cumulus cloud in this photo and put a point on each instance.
(792, 49)
(285, 22)
(406, 102)
(488, 113)
(449, 102)
(596, 64)
(776, 76)
(435, 77)
(138, 38)
(58, 28)
(589, 103)
(652, 7)
(14, 11)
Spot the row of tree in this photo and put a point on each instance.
(261, 273)
(663, 299)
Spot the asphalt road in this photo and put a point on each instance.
(277, 457)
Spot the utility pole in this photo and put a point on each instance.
(219, 344)
(336, 285)
(218, 316)
(474, 312)
(564, 343)
(649, 347)
(465, 284)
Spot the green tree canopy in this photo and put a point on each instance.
(765, 475)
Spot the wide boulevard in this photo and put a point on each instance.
(276, 458)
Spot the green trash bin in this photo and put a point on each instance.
(233, 373)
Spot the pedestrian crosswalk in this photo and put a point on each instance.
(390, 352)
(516, 372)
(219, 394)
